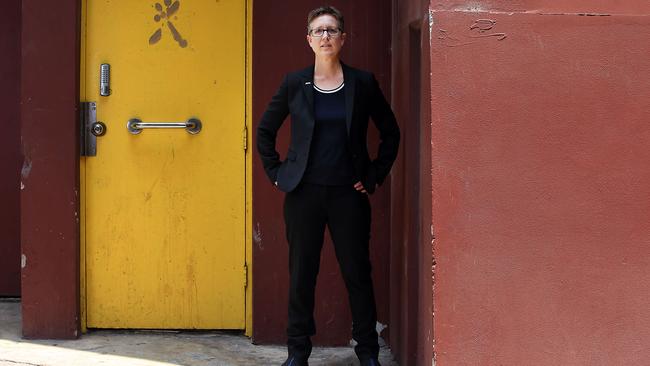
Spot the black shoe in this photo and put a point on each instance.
(293, 361)
(370, 362)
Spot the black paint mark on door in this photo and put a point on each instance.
(171, 8)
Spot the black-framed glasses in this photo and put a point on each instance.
(319, 32)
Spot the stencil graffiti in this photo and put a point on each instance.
(164, 18)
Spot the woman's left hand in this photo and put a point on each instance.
(359, 187)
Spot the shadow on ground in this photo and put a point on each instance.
(151, 348)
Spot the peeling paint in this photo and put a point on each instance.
(23, 261)
(472, 8)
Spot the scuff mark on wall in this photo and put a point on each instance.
(23, 261)
(25, 171)
(484, 25)
(481, 26)
(27, 167)
(257, 236)
(594, 15)
(430, 26)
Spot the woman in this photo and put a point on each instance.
(327, 175)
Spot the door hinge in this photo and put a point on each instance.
(245, 275)
(245, 138)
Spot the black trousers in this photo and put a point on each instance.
(346, 212)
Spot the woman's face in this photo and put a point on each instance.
(326, 45)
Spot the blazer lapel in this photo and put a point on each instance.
(308, 90)
(349, 80)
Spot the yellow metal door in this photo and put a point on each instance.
(165, 209)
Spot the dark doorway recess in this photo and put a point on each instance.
(10, 160)
(411, 268)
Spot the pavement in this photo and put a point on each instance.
(152, 348)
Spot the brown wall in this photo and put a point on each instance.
(541, 184)
(411, 311)
(279, 46)
(9, 149)
(50, 198)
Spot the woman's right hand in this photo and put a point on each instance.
(359, 187)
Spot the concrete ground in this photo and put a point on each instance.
(151, 348)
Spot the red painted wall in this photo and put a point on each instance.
(629, 7)
(50, 145)
(279, 46)
(541, 184)
(9, 149)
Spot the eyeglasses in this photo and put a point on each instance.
(319, 32)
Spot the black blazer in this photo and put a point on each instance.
(363, 99)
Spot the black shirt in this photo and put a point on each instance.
(330, 162)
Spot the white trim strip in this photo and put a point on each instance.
(330, 91)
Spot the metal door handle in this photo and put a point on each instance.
(192, 126)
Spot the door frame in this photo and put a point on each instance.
(49, 200)
(248, 237)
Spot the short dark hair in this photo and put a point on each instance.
(325, 10)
